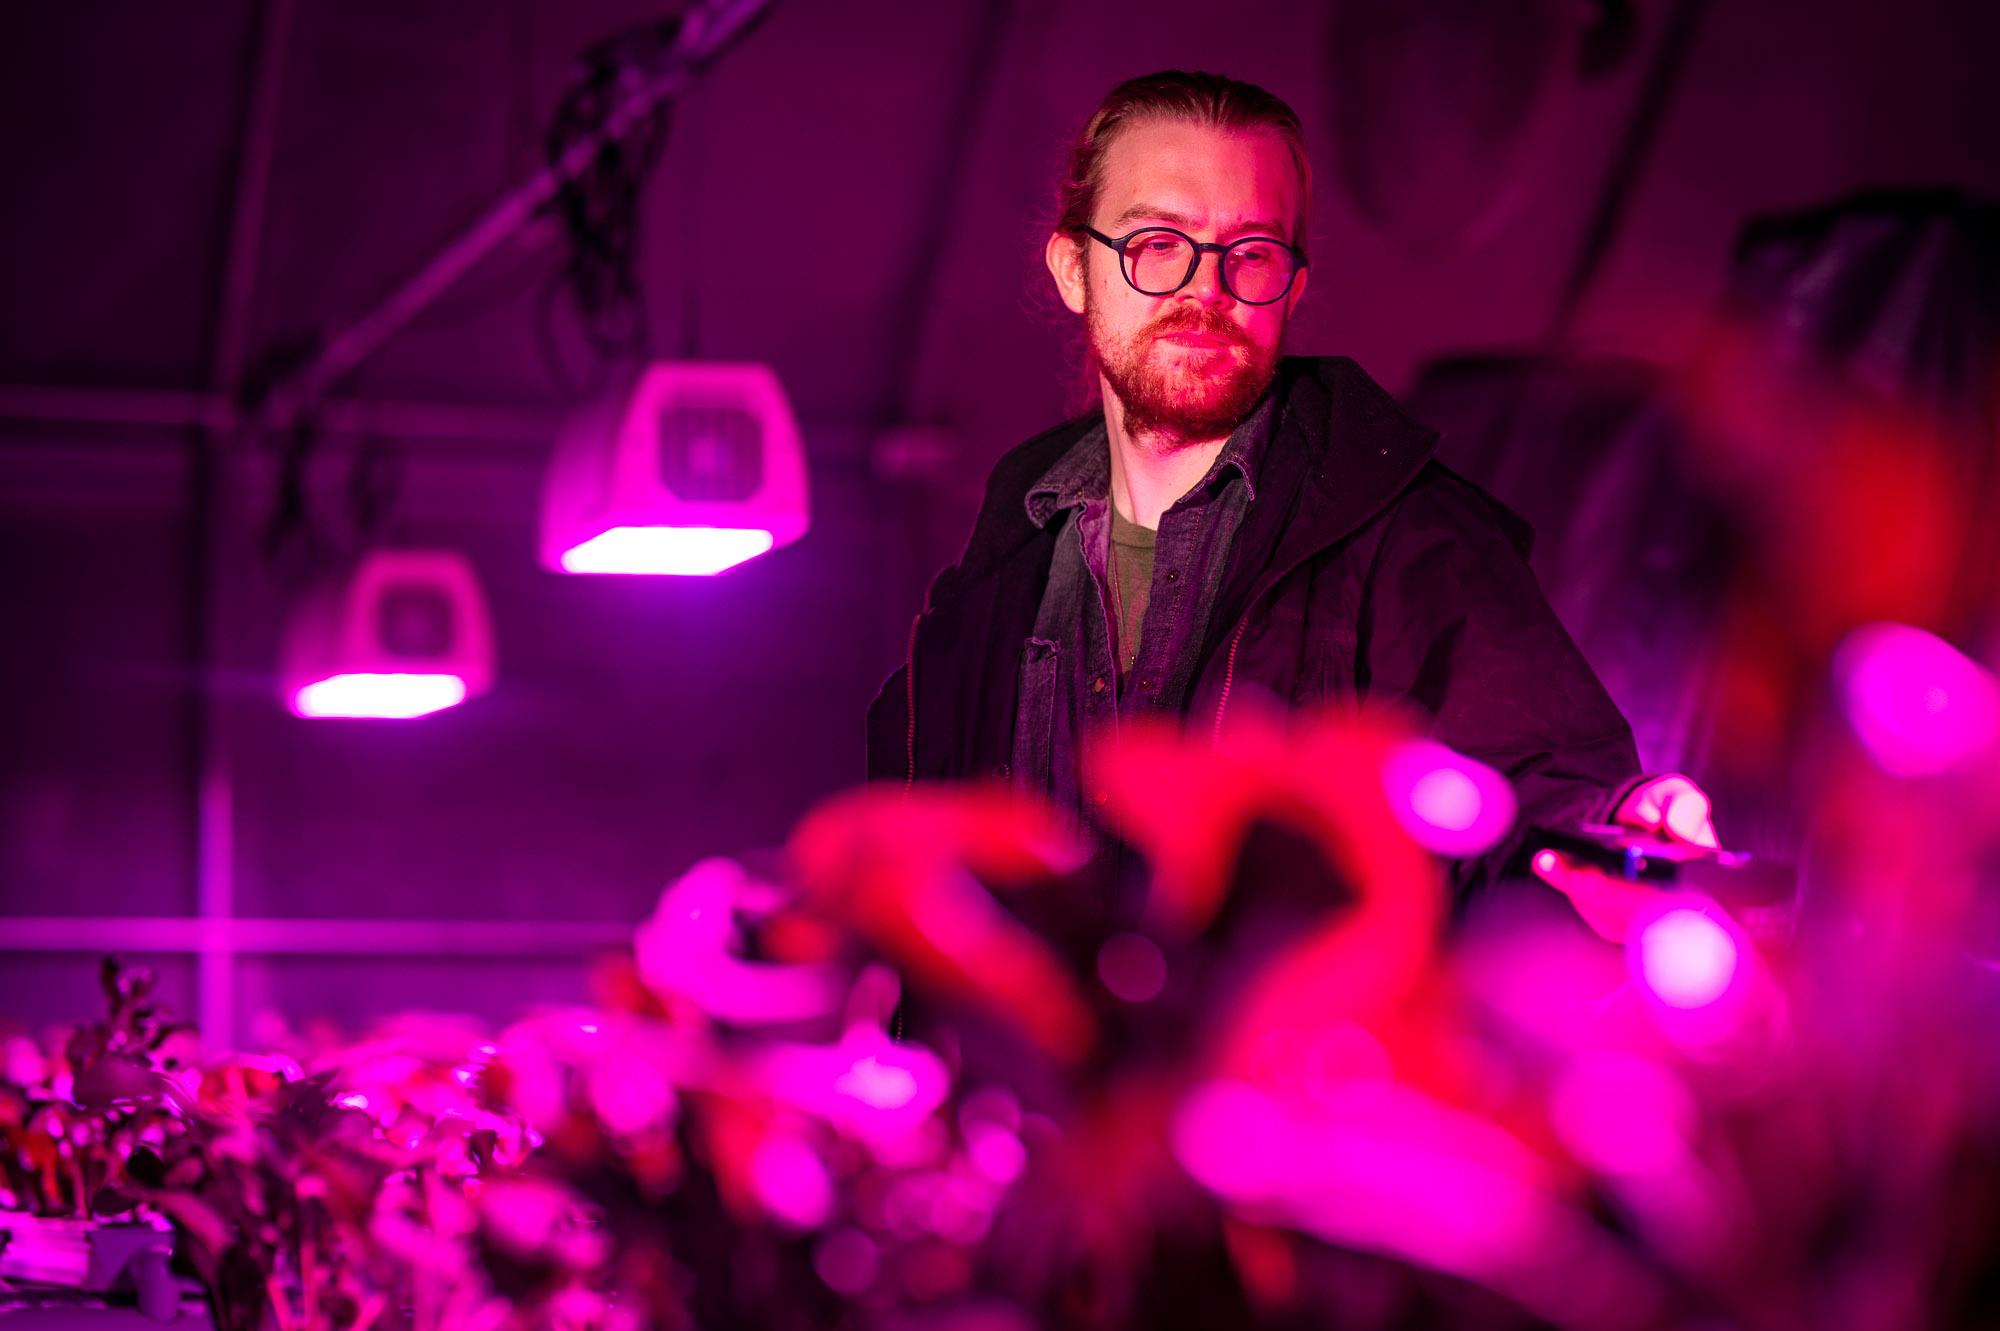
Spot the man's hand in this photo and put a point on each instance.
(1671, 807)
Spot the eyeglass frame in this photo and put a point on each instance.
(1201, 247)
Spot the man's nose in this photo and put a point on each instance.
(1205, 287)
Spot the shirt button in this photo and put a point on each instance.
(1147, 683)
(1173, 575)
(1100, 798)
(1003, 771)
(1097, 685)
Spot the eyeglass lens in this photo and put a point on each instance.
(1255, 271)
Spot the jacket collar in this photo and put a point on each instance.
(1083, 473)
(1341, 450)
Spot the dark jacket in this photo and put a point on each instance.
(1362, 568)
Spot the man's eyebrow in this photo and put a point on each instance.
(1145, 212)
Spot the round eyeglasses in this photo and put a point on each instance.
(1158, 261)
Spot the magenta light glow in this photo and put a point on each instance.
(877, 1084)
(870, 1088)
(1687, 958)
(791, 1181)
(1447, 802)
(996, 1153)
(684, 551)
(689, 945)
(1623, 1114)
(1917, 704)
(631, 1095)
(394, 696)
(1375, 1166)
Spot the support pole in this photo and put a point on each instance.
(208, 621)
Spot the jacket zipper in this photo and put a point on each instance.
(1228, 677)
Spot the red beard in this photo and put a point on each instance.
(1182, 394)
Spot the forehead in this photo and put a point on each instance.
(1214, 177)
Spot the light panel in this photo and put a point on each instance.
(684, 551)
(386, 696)
(399, 634)
(689, 469)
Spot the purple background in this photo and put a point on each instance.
(641, 724)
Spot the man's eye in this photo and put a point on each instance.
(1257, 256)
(1159, 245)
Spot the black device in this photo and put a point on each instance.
(1733, 878)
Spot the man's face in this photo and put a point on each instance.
(1187, 367)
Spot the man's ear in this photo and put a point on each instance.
(1065, 260)
(1298, 291)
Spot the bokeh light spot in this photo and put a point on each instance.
(848, 1261)
(1446, 798)
(1132, 968)
(995, 1152)
(1447, 802)
(791, 1182)
(876, 1083)
(1687, 958)
(1916, 703)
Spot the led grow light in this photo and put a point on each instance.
(692, 470)
(405, 633)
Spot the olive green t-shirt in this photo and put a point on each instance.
(1131, 583)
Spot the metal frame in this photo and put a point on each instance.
(234, 936)
(218, 414)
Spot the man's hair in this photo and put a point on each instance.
(1193, 98)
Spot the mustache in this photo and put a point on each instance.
(1195, 319)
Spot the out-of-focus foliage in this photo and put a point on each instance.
(948, 1068)
(1257, 1087)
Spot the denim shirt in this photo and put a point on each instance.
(1070, 687)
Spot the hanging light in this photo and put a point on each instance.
(694, 469)
(405, 633)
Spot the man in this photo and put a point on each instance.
(1233, 523)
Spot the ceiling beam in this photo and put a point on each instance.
(219, 414)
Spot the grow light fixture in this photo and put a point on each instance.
(405, 633)
(693, 469)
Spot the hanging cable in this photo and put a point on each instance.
(599, 206)
(292, 544)
(374, 481)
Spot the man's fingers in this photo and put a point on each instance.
(1606, 903)
(1687, 816)
(1673, 806)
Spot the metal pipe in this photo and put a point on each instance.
(706, 30)
(240, 936)
(215, 413)
(1635, 150)
(253, 192)
(975, 88)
